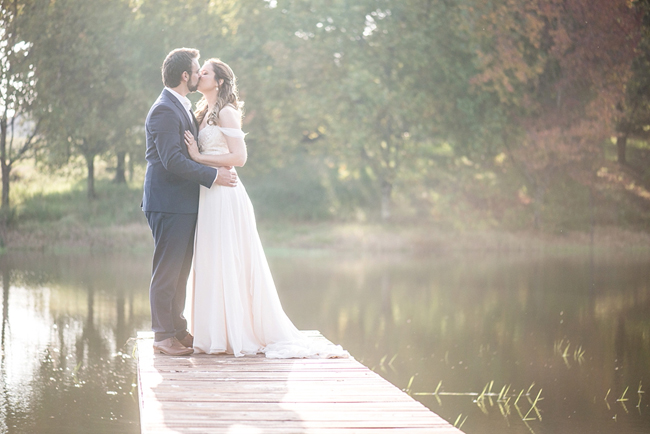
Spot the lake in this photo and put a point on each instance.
(500, 343)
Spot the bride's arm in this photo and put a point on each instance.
(229, 118)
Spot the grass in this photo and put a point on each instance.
(503, 399)
(51, 212)
(114, 205)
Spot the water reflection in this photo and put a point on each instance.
(463, 322)
(575, 327)
(65, 363)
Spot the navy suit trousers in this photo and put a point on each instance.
(173, 236)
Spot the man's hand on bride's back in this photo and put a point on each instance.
(226, 176)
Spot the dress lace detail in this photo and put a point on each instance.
(212, 140)
(233, 306)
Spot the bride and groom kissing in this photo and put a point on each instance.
(203, 225)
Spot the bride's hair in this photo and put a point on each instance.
(227, 94)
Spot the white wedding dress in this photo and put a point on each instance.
(234, 305)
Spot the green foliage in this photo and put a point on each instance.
(116, 204)
(80, 59)
(289, 194)
(463, 113)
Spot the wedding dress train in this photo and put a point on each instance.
(234, 305)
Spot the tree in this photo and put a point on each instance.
(17, 134)
(633, 114)
(558, 67)
(355, 84)
(79, 60)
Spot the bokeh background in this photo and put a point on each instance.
(495, 152)
(454, 114)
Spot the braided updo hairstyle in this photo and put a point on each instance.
(227, 94)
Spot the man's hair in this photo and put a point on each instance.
(177, 62)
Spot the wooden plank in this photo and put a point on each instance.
(215, 412)
(258, 367)
(296, 406)
(279, 398)
(246, 428)
(223, 394)
(312, 420)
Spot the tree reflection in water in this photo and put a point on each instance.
(81, 375)
(6, 415)
(467, 320)
(575, 325)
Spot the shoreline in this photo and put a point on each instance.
(328, 236)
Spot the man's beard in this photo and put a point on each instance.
(193, 87)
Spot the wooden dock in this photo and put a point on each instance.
(223, 394)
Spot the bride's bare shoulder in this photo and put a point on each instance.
(229, 108)
(230, 117)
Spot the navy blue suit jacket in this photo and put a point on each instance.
(172, 179)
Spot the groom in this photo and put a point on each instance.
(171, 199)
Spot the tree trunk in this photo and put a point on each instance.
(130, 164)
(537, 218)
(537, 205)
(6, 172)
(386, 191)
(592, 217)
(621, 144)
(90, 164)
(120, 168)
(6, 168)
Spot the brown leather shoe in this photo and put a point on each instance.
(188, 340)
(172, 347)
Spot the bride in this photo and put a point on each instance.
(235, 307)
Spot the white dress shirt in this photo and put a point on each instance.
(184, 100)
(188, 107)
